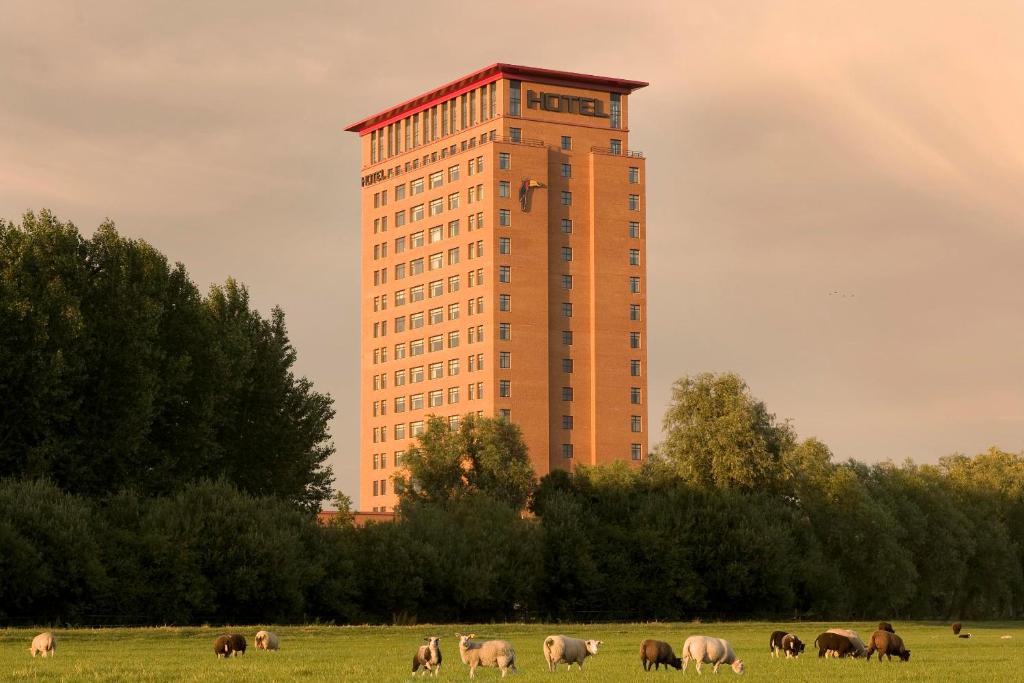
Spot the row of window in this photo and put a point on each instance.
(434, 123)
(475, 278)
(415, 375)
(635, 450)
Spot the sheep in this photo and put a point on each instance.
(44, 644)
(222, 646)
(428, 656)
(705, 649)
(565, 650)
(834, 645)
(859, 648)
(956, 628)
(266, 640)
(781, 641)
(888, 644)
(656, 653)
(235, 644)
(497, 653)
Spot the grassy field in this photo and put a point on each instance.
(370, 653)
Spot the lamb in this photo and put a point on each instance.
(858, 645)
(498, 653)
(45, 644)
(888, 644)
(428, 656)
(705, 649)
(656, 653)
(267, 640)
(833, 645)
(564, 650)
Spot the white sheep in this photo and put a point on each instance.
(705, 649)
(428, 656)
(267, 640)
(45, 644)
(498, 653)
(859, 648)
(565, 650)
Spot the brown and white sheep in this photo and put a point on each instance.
(428, 656)
(266, 640)
(496, 653)
(888, 644)
(565, 650)
(708, 650)
(44, 644)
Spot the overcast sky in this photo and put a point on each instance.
(835, 190)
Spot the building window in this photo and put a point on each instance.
(566, 198)
(615, 113)
(436, 315)
(453, 173)
(634, 340)
(400, 404)
(416, 348)
(415, 428)
(566, 310)
(504, 388)
(399, 245)
(634, 229)
(634, 368)
(375, 485)
(436, 206)
(635, 423)
(504, 161)
(453, 228)
(504, 303)
(453, 284)
(436, 260)
(567, 422)
(567, 337)
(416, 402)
(399, 351)
(453, 311)
(453, 256)
(415, 187)
(567, 226)
(416, 213)
(635, 452)
(566, 393)
(567, 365)
(634, 395)
(515, 134)
(567, 282)
(514, 98)
(634, 311)
(416, 374)
(567, 253)
(505, 245)
(436, 179)
(453, 395)
(399, 218)
(504, 188)
(567, 451)
(416, 239)
(504, 275)
(634, 257)
(453, 339)
(566, 142)
(399, 431)
(435, 398)
(504, 360)
(634, 202)
(615, 146)
(400, 324)
(504, 331)
(567, 170)
(634, 285)
(634, 174)
(436, 288)
(453, 201)
(504, 218)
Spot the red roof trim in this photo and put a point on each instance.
(482, 77)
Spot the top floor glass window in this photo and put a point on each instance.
(615, 115)
(515, 98)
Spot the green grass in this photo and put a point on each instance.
(373, 653)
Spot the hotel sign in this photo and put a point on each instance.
(375, 177)
(569, 104)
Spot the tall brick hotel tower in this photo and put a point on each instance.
(504, 269)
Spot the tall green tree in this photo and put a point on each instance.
(116, 373)
(484, 455)
(717, 434)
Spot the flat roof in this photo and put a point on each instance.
(493, 72)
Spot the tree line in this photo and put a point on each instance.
(160, 463)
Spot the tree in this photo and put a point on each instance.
(115, 373)
(717, 434)
(484, 455)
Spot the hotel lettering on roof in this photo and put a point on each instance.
(504, 269)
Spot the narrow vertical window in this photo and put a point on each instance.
(514, 98)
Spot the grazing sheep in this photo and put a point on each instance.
(237, 643)
(855, 640)
(964, 635)
(888, 644)
(705, 649)
(266, 640)
(834, 645)
(886, 626)
(498, 653)
(222, 646)
(656, 652)
(956, 628)
(428, 656)
(44, 644)
(564, 650)
(780, 641)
